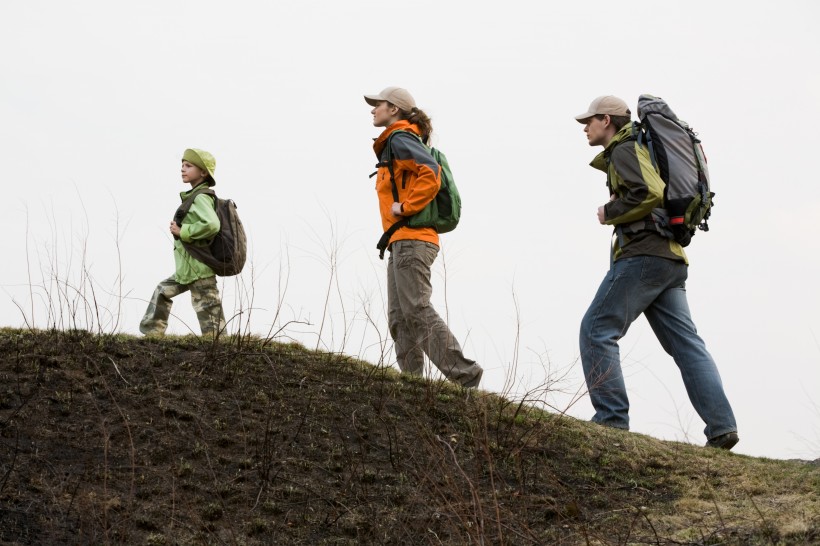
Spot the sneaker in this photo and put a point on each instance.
(724, 441)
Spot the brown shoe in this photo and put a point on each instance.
(724, 441)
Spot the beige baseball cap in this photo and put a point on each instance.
(606, 104)
(394, 95)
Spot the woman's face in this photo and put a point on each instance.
(385, 114)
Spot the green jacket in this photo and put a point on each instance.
(200, 224)
(637, 189)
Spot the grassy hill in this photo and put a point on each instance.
(120, 440)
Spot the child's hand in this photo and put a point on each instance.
(174, 229)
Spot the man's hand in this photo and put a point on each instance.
(174, 229)
(602, 211)
(396, 209)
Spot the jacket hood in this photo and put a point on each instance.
(401, 125)
(599, 161)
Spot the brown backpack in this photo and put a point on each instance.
(227, 251)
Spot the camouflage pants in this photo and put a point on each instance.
(204, 297)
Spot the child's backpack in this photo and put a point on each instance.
(226, 252)
(442, 213)
(678, 155)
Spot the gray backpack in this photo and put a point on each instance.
(226, 252)
(678, 155)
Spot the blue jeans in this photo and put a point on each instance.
(655, 287)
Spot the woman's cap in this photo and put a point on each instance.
(201, 159)
(605, 105)
(394, 95)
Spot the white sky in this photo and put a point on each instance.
(98, 99)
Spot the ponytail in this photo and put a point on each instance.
(420, 119)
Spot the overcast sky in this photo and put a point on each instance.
(98, 100)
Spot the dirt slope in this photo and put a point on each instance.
(108, 439)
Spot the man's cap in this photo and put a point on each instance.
(203, 160)
(606, 104)
(394, 95)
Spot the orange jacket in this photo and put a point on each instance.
(418, 178)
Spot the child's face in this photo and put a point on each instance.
(191, 174)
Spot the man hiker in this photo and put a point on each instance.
(648, 271)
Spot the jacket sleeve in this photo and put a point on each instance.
(201, 223)
(418, 176)
(637, 185)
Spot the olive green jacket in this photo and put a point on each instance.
(637, 189)
(199, 225)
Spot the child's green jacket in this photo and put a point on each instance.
(200, 224)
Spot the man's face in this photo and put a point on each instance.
(596, 130)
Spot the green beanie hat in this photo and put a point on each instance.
(203, 160)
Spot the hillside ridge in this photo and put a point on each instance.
(178, 440)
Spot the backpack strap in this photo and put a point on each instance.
(183, 209)
(644, 138)
(703, 182)
(658, 218)
(388, 162)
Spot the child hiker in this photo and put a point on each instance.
(199, 224)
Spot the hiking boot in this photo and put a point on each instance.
(724, 441)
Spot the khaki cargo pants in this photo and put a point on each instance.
(415, 326)
(204, 297)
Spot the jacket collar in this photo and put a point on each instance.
(185, 194)
(600, 161)
(401, 125)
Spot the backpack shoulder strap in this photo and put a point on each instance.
(183, 209)
(197, 193)
(608, 155)
(388, 162)
(644, 138)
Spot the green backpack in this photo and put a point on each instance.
(442, 213)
